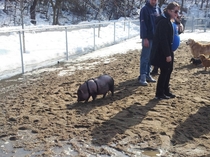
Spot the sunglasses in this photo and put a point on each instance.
(175, 11)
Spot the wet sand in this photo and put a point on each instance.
(40, 114)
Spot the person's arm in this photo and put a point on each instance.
(143, 23)
(179, 24)
(143, 27)
(180, 28)
(163, 31)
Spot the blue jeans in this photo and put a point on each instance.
(145, 59)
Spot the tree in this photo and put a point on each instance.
(161, 2)
(207, 3)
(182, 4)
(56, 5)
(33, 12)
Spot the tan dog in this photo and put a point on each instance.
(205, 61)
(198, 48)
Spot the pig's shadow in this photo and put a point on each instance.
(122, 90)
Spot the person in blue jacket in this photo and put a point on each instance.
(148, 16)
(178, 29)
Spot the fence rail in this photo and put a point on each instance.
(190, 23)
(97, 29)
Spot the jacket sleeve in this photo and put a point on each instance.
(164, 31)
(180, 26)
(143, 20)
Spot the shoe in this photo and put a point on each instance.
(161, 97)
(142, 80)
(170, 95)
(150, 79)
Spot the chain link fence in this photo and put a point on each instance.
(64, 43)
(65, 47)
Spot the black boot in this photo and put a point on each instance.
(154, 71)
(169, 94)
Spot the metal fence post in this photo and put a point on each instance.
(99, 29)
(129, 28)
(205, 25)
(124, 24)
(94, 37)
(114, 31)
(192, 23)
(21, 52)
(67, 52)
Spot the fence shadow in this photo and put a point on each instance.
(125, 119)
(189, 66)
(202, 72)
(194, 127)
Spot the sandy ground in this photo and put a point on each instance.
(40, 116)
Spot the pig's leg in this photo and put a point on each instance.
(111, 88)
(104, 95)
(94, 96)
(87, 99)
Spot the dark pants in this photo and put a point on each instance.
(155, 69)
(164, 79)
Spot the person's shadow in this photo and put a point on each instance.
(118, 124)
(196, 126)
(189, 66)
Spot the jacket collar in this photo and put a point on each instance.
(166, 15)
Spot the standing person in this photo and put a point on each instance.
(162, 54)
(178, 29)
(148, 16)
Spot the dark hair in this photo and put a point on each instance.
(171, 6)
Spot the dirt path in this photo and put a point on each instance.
(39, 112)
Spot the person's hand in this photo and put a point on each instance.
(181, 28)
(146, 43)
(168, 59)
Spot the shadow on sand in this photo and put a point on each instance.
(125, 119)
(195, 126)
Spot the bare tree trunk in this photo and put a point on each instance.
(202, 4)
(5, 6)
(57, 15)
(46, 8)
(196, 2)
(161, 2)
(182, 4)
(14, 16)
(56, 8)
(207, 3)
(33, 12)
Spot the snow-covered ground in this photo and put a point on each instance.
(44, 47)
(47, 48)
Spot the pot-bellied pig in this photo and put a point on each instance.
(95, 86)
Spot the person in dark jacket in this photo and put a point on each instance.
(148, 15)
(178, 29)
(162, 54)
